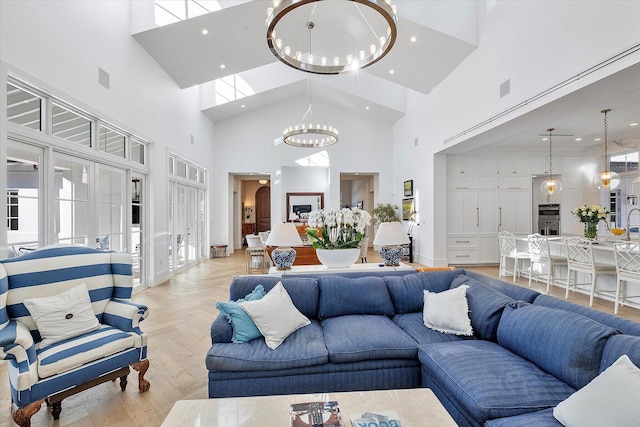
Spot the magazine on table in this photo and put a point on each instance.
(316, 414)
(375, 419)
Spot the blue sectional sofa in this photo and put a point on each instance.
(528, 351)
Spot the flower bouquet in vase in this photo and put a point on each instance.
(591, 216)
(336, 235)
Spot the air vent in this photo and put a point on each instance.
(103, 77)
(505, 88)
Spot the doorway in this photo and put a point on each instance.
(263, 209)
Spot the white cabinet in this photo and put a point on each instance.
(514, 165)
(462, 165)
(487, 165)
(462, 212)
(488, 212)
(482, 199)
(515, 211)
(488, 249)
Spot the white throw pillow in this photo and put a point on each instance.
(275, 315)
(448, 311)
(610, 399)
(63, 316)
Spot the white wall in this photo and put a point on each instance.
(246, 144)
(536, 45)
(60, 46)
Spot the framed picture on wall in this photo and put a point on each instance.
(408, 188)
(407, 209)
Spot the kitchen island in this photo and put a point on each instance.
(603, 253)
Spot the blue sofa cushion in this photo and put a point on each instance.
(353, 338)
(244, 328)
(488, 381)
(562, 343)
(413, 324)
(305, 347)
(485, 306)
(407, 291)
(304, 292)
(516, 292)
(625, 326)
(340, 296)
(618, 345)
(542, 418)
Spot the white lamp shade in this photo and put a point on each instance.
(390, 234)
(284, 234)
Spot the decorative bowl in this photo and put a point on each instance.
(617, 231)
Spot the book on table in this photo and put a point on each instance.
(316, 414)
(375, 419)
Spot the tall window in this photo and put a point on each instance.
(621, 163)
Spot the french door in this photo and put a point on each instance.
(90, 206)
(187, 213)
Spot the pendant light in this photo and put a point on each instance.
(550, 186)
(606, 180)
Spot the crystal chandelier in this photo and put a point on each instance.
(607, 179)
(550, 186)
(310, 135)
(350, 34)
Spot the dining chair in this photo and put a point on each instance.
(627, 256)
(541, 255)
(580, 259)
(509, 250)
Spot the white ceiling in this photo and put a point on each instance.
(237, 38)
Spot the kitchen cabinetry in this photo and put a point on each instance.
(496, 198)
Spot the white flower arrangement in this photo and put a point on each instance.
(593, 213)
(337, 228)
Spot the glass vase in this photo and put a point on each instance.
(590, 230)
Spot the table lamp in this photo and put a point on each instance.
(283, 235)
(390, 236)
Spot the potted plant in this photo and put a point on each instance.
(385, 213)
(334, 229)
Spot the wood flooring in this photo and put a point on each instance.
(180, 313)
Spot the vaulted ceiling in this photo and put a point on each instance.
(236, 44)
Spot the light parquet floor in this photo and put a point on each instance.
(181, 312)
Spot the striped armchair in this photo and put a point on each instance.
(53, 372)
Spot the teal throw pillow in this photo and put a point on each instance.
(244, 329)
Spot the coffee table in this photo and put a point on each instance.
(416, 407)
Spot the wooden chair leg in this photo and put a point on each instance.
(141, 367)
(123, 382)
(56, 408)
(22, 416)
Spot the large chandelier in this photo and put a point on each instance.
(550, 186)
(607, 179)
(348, 34)
(310, 135)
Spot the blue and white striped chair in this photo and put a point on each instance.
(64, 368)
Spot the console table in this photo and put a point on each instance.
(321, 269)
(417, 407)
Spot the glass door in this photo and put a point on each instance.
(71, 200)
(111, 208)
(24, 198)
(138, 223)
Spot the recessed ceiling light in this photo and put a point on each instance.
(222, 66)
(413, 38)
(205, 32)
(391, 72)
(242, 106)
(367, 108)
(633, 124)
(598, 139)
(545, 139)
(578, 139)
